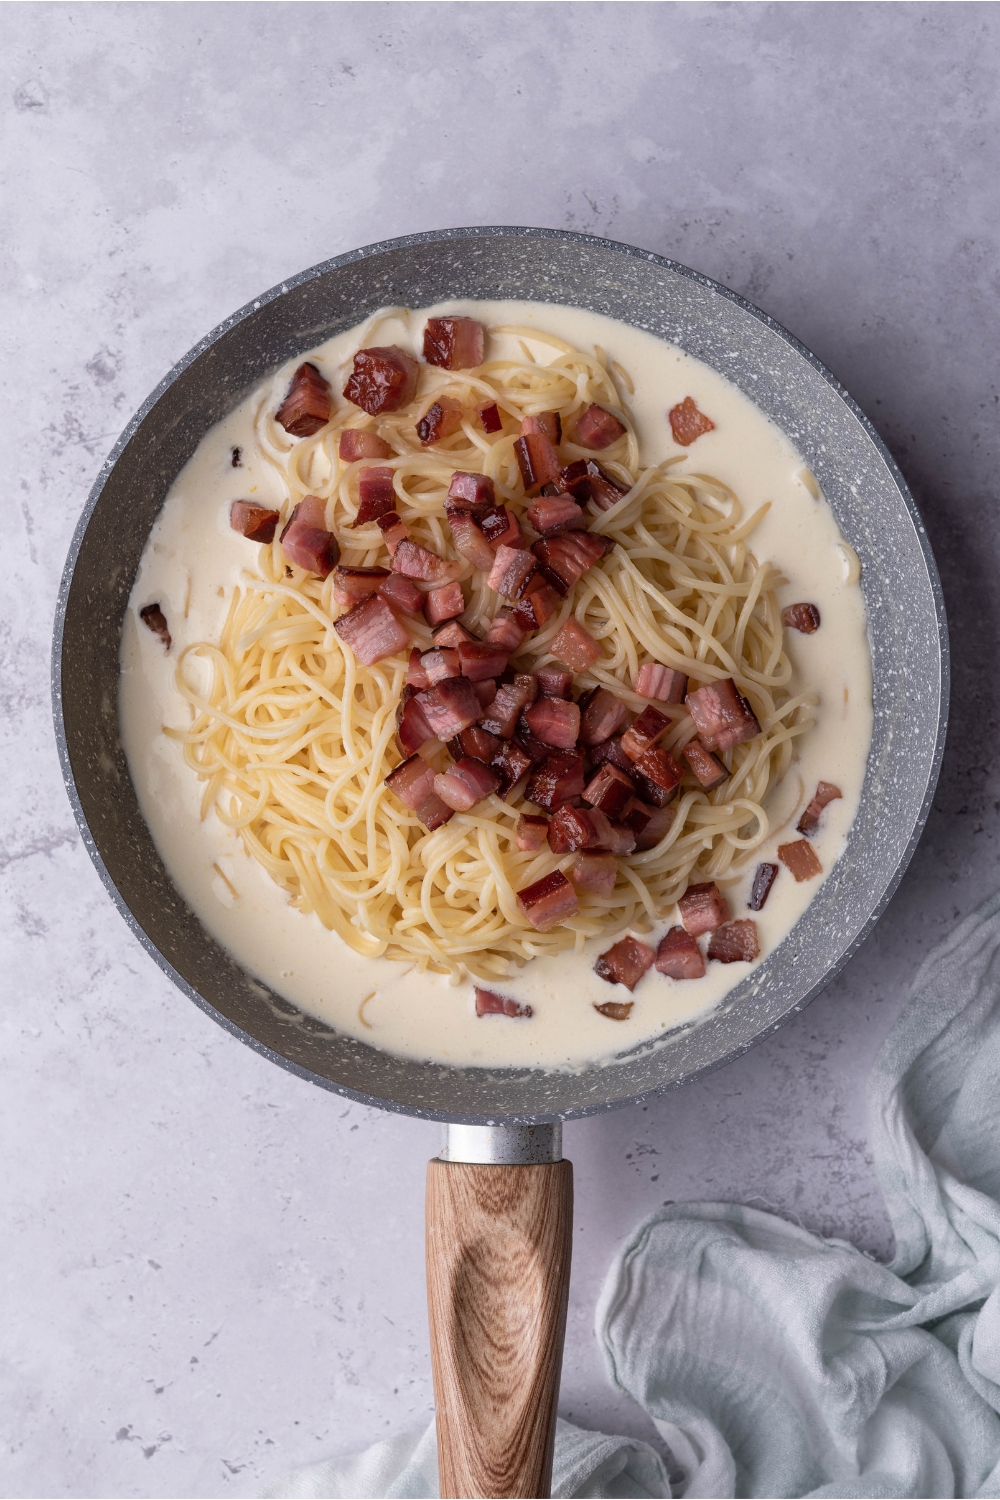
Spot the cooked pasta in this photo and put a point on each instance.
(293, 737)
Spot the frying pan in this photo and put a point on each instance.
(499, 1201)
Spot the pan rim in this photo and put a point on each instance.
(367, 252)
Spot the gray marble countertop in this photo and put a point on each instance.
(211, 1270)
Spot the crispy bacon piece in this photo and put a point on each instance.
(393, 531)
(625, 963)
(357, 444)
(665, 684)
(658, 823)
(511, 764)
(416, 672)
(305, 540)
(556, 721)
(481, 659)
(722, 716)
(735, 943)
(530, 832)
(571, 555)
(510, 702)
(444, 603)
(306, 407)
(350, 585)
(452, 634)
(703, 908)
(553, 514)
(501, 528)
(438, 663)
(587, 480)
(491, 418)
(512, 567)
(706, 768)
(615, 1010)
(505, 631)
(548, 901)
(687, 422)
(558, 779)
(801, 859)
(603, 716)
(537, 459)
(597, 428)
(372, 631)
(610, 790)
(412, 728)
(413, 784)
(679, 957)
(450, 706)
(826, 793)
(439, 421)
(414, 561)
(255, 522)
(402, 595)
(489, 1003)
(658, 775)
(454, 343)
(549, 423)
(644, 731)
(553, 682)
(469, 490)
(538, 605)
(762, 882)
(595, 873)
(466, 783)
(470, 542)
(575, 646)
(376, 496)
(803, 617)
(477, 742)
(383, 379)
(611, 750)
(154, 619)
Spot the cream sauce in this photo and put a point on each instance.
(193, 560)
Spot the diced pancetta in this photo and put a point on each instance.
(538, 604)
(549, 423)
(679, 957)
(558, 779)
(537, 460)
(553, 682)
(482, 659)
(351, 585)
(376, 495)
(489, 1003)
(414, 561)
(372, 631)
(706, 768)
(556, 721)
(575, 828)
(357, 444)
(501, 528)
(572, 554)
(594, 873)
(412, 728)
(703, 908)
(801, 617)
(610, 790)
(574, 646)
(553, 514)
(154, 619)
(505, 631)
(413, 784)
(644, 732)
(255, 522)
(658, 775)
(587, 480)
(402, 595)
(470, 542)
(511, 764)
(467, 490)
(826, 793)
(510, 702)
(490, 417)
(450, 706)
(735, 943)
(438, 663)
(625, 963)
(443, 603)
(722, 716)
(439, 421)
(306, 407)
(659, 821)
(305, 541)
(454, 343)
(382, 379)
(597, 428)
(762, 882)
(393, 531)
(665, 684)
(603, 716)
(530, 832)
(548, 901)
(452, 634)
(466, 783)
(611, 750)
(800, 858)
(687, 422)
(512, 567)
(478, 743)
(416, 672)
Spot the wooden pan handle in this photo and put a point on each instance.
(499, 1240)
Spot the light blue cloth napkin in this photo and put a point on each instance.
(776, 1363)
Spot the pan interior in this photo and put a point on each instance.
(872, 507)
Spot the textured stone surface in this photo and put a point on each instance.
(212, 1271)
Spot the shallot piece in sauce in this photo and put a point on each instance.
(703, 908)
(357, 444)
(306, 407)
(574, 646)
(454, 343)
(383, 379)
(800, 858)
(625, 963)
(530, 833)
(305, 540)
(706, 768)
(665, 684)
(762, 882)
(722, 716)
(376, 496)
(548, 901)
(372, 631)
(801, 617)
(597, 428)
(688, 423)
(826, 793)
(489, 1003)
(439, 421)
(254, 522)
(679, 957)
(154, 619)
(736, 942)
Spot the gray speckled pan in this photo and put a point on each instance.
(906, 621)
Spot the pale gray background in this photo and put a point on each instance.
(212, 1271)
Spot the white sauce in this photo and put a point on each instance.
(193, 560)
